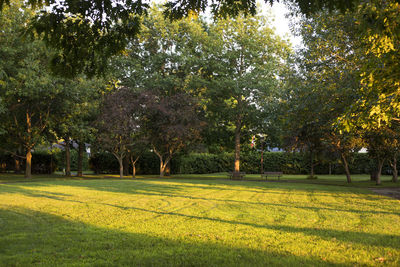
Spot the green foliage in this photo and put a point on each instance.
(60, 157)
(104, 162)
(87, 34)
(204, 163)
(201, 163)
(42, 162)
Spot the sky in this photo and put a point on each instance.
(280, 23)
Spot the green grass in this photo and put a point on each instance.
(188, 221)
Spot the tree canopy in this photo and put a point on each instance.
(88, 33)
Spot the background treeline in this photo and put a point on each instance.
(45, 162)
(195, 85)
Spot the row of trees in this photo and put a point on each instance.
(190, 79)
(209, 86)
(170, 82)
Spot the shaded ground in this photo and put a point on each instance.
(390, 192)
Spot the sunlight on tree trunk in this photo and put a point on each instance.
(133, 162)
(162, 168)
(237, 150)
(28, 164)
(17, 167)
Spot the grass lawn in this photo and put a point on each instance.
(194, 222)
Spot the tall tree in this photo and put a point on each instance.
(245, 59)
(326, 85)
(29, 93)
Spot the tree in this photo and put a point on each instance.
(325, 86)
(170, 123)
(75, 115)
(380, 70)
(163, 63)
(29, 93)
(119, 123)
(244, 63)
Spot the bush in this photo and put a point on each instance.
(104, 162)
(197, 163)
(43, 162)
(60, 155)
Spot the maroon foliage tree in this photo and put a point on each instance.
(171, 123)
(118, 124)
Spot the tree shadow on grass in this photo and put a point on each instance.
(370, 239)
(33, 238)
(173, 191)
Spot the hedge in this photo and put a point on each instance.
(60, 156)
(104, 162)
(42, 163)
(197, 163)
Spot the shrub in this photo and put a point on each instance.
(60, 155)
(43, 162)
(196, 163)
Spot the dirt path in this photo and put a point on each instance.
(390, 192)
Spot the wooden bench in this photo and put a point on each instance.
(233, 175)
(272, 174)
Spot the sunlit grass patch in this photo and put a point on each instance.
(195, 222)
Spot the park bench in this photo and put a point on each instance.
(271, 174)
(240, 176)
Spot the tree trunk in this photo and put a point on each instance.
(162, 168)
(346, 168)
(28, 163)
(133, 162)
(81, 147)
(133, 170)
(330, 169)
(262, 159)
(67, 158)
(374, 174)
(126, 166)
(168, 169)
(17, 166)
(394, 168)
(237, 150)
(378, 176)
(312, 164)
(121, 167)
